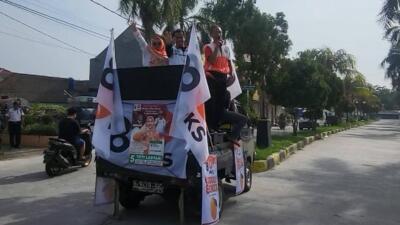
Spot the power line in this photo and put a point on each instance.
(110, 10)
(63, 14)
(57, 20)
(47, 35)
(38, 42)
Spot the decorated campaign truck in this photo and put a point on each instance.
(151, 137)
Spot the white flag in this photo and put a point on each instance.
(109, 116)
(189, 124)
(233, 84)
(188, 121)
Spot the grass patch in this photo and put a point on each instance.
(278, 143)
(282, 142)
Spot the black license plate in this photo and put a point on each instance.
(148, 186)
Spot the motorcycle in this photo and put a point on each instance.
(62, 155)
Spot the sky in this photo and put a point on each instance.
(340, 24)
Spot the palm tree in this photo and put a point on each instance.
(389, 13)
(157, 12)
(390, 18)
(186, 7)
(392, 64)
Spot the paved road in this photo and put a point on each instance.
(350, 178)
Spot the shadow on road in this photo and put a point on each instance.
(26, 178)
(76, 208)
(155, 210)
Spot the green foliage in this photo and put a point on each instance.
(41, 119)
(389, 99)
(390, 19)
(301, 83)
(44, 114)
(41, 129)
(158, 13)
(260, 39)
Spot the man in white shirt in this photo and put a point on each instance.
(15, 115)
(177, 51)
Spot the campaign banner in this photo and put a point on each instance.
(239, 167)
(150, 124)
(104, 191)
(146, 157)
(210, 198)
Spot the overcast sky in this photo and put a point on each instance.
(338, 24)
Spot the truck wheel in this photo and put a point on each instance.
(52, 169)
(129, 199)
(248, 177)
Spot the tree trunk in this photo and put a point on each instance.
(148, 31)
(295, 122)
(314, 125)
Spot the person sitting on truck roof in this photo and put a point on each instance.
(218, 68)
(153, 55)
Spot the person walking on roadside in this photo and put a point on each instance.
(15, 119)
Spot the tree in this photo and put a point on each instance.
(157, 12)
(389, 99)
(392, 65)
(390, 19)
(334, 65)
(301, 84)
(260, 39)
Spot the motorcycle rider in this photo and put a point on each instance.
(69, 130)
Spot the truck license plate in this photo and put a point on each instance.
(148, 186)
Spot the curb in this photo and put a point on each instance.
(277, 158)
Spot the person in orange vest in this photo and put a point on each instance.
(218, 68)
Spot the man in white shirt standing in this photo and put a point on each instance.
(15, 116)
(177, 50)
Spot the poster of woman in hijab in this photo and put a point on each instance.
(150, 130)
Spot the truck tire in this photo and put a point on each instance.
(129, 199)
(248, 177)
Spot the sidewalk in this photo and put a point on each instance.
(6, 153)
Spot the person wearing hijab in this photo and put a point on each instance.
(154, 54)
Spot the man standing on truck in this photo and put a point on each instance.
(218, 68)
(176, 47)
